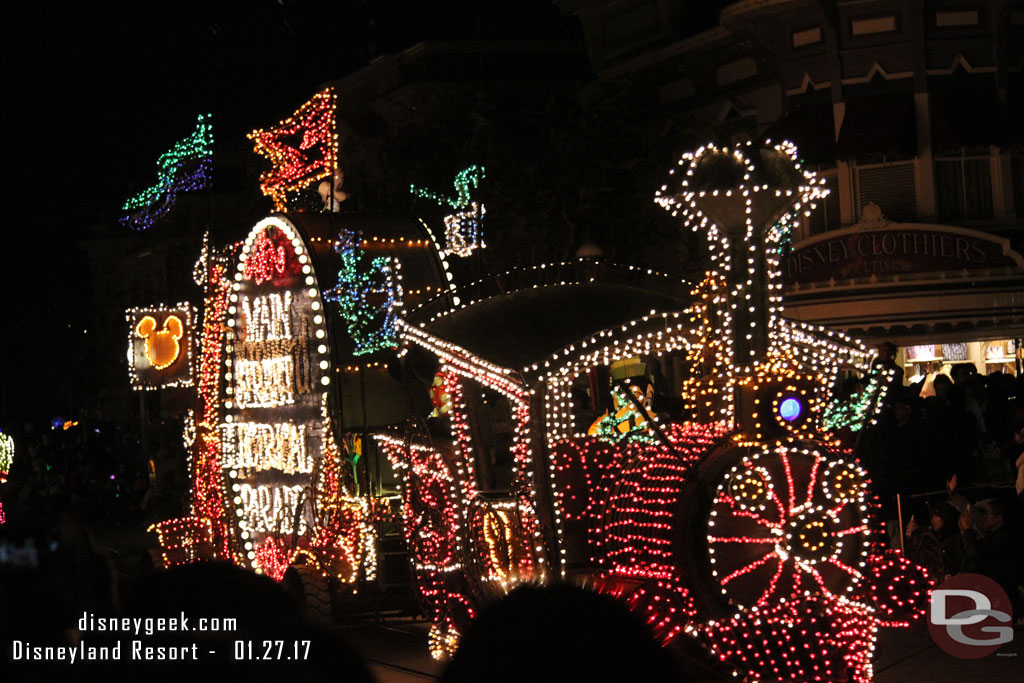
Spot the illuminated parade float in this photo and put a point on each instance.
(275, 482)
(746, 526)
(6, 457)
(673, 445)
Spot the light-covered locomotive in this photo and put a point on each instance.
(745, 524)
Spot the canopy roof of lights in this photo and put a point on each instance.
(551, 314)
(577, 271)
(525, 334)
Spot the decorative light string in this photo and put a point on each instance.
(184, 541)
(442, 257)
(466, 180)
(208, 488)
(6, 458)
(302, 149)
(369, 296)
(187, 166)
(344, 542)
(464, 228)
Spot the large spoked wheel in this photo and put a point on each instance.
(778, 521)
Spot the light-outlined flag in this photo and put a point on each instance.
(187, 166)
(302, 149)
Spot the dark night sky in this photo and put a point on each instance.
(97, 91)
(104, 88)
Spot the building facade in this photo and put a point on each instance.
(910, 109)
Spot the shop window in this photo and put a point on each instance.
(825, 216)
(963, 189)
(891, 187)
(1001, 356)
(923, 362)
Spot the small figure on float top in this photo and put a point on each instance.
(331, 193)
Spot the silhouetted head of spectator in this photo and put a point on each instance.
(559, 633)
(942, 384)
(945, 518)
(920, 515)
(886, 351)
(903, 404)
(1018, 432)
(961, 371)
(994, 514)
(50, 571)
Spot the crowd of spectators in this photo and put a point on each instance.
(96, 470)
(946, 459)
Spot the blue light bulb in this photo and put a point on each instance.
(790, 409)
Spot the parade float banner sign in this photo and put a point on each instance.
(160, 346)
(276, 375)
(895, 250)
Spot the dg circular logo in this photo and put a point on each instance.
(969, 616)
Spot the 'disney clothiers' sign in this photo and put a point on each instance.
(894, 250)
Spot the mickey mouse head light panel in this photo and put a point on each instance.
(160, 347)
(746, 527)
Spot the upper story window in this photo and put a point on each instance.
(963, 188)
(891, 186)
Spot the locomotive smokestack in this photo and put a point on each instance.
(745, 206)
(743, 199)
